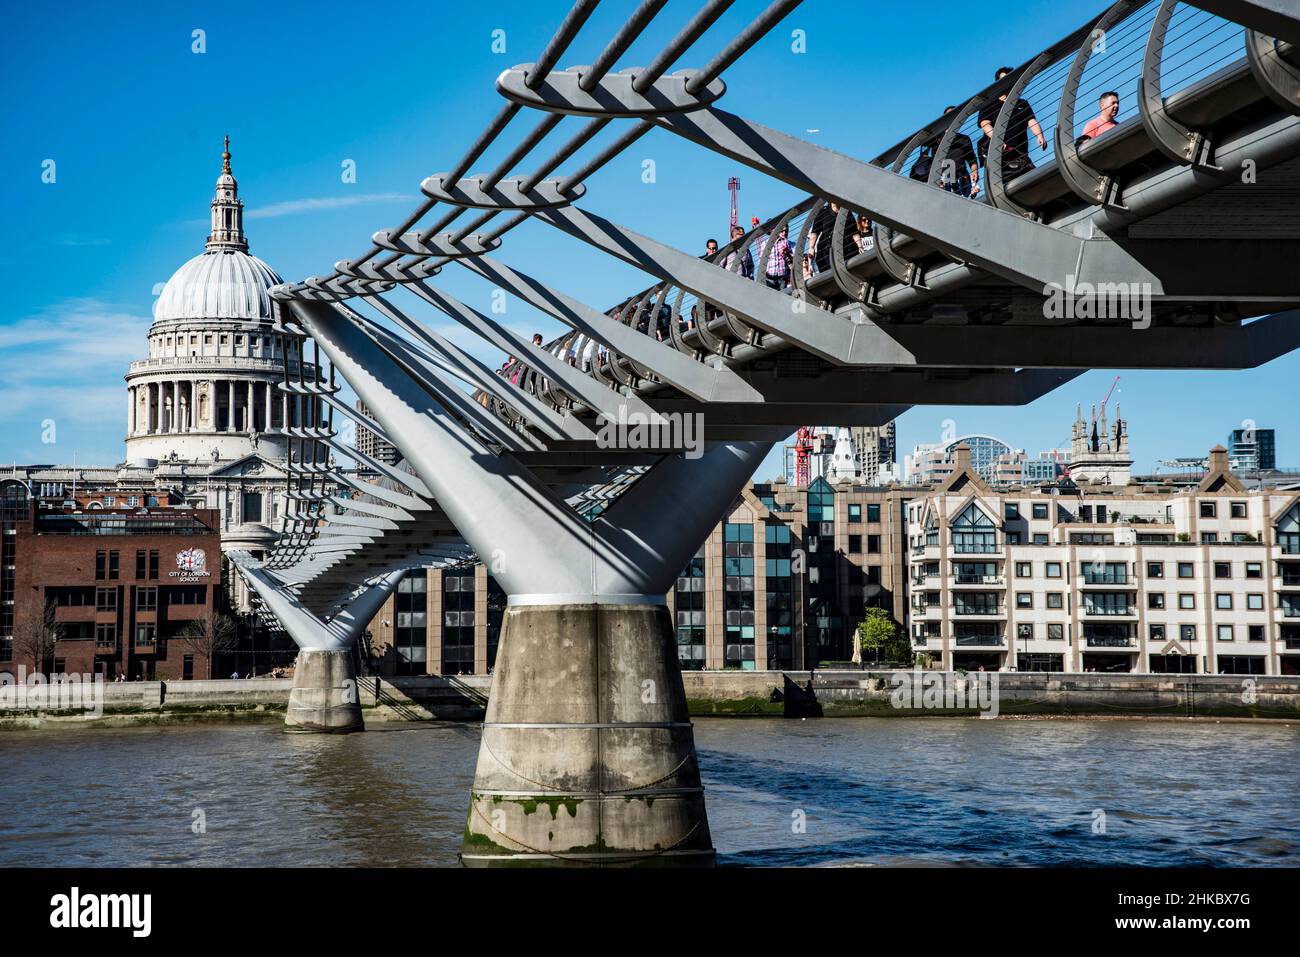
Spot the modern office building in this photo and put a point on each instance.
(1143, 578)
(1253, 450)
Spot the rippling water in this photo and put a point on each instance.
(867, 791)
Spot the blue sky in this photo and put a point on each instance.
(133, 119)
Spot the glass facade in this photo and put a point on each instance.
(458, 621)
(780, 597)
(738, 596)
(689, 610)
(410, 623)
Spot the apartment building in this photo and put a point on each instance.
(1113, 578)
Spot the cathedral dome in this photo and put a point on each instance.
(218, 284)
(224, 281)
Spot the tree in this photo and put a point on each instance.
(209, 635)
(878, 632)
(36, 629)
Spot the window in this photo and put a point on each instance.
(140, 564)
(1024, 599)
(1040, 538)
(855, 544)
(973, 532)
(1254, 570)
(1255, 632)
(153, 564)
(873, 512)
(1238, 509)
(1053, 569)
(1223, 601)
(1186, 570)
(1155, 569)
(1040, 510)
(1186, 601)
(873, 544)
(146, 633)
(1187, 632)
(1024, 569)
(1011, 511)
(1055, 600)
(1255, 602)
(146, 599)
(1025, 632)
(1156, 632)
(1156, 600)
(1056, 632)
(106, 634)
(1209, 510)
(855, 512)
(1209, 538)
(1104, 573)
(1223, 633)
(101, 566)
(105, 599)
(1223, 569)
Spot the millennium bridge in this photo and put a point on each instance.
(933, 273)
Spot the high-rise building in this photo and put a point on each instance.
(368, 443)
(1253, 450)
(877, 449)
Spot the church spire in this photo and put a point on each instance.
(227, 209)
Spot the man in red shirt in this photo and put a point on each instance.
(1105, 120)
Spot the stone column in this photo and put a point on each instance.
(270, 401)
(248, 414)
(152, 413)
(130, 410)
(230, 405)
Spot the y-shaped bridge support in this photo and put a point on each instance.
(325, 696)
(587, 753)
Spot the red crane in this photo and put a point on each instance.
(803, 447)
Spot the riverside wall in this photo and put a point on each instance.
(711, 693)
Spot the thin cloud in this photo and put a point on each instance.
(67, 364)
(293, 207)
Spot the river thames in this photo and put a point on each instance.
(846, 792)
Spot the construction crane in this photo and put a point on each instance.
(804, 443)
(733, 187)
(1109, 393)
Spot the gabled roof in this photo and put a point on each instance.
(963, 476)
(1218, 476)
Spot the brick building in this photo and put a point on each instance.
(120, 586)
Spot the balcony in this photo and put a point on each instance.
(1103, 612)
(980, 641)
(962, 611)
(1110, 642)
(986, 580)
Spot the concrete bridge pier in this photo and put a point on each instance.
(587, 756)
(325, 698)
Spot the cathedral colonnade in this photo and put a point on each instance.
(209, 405)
